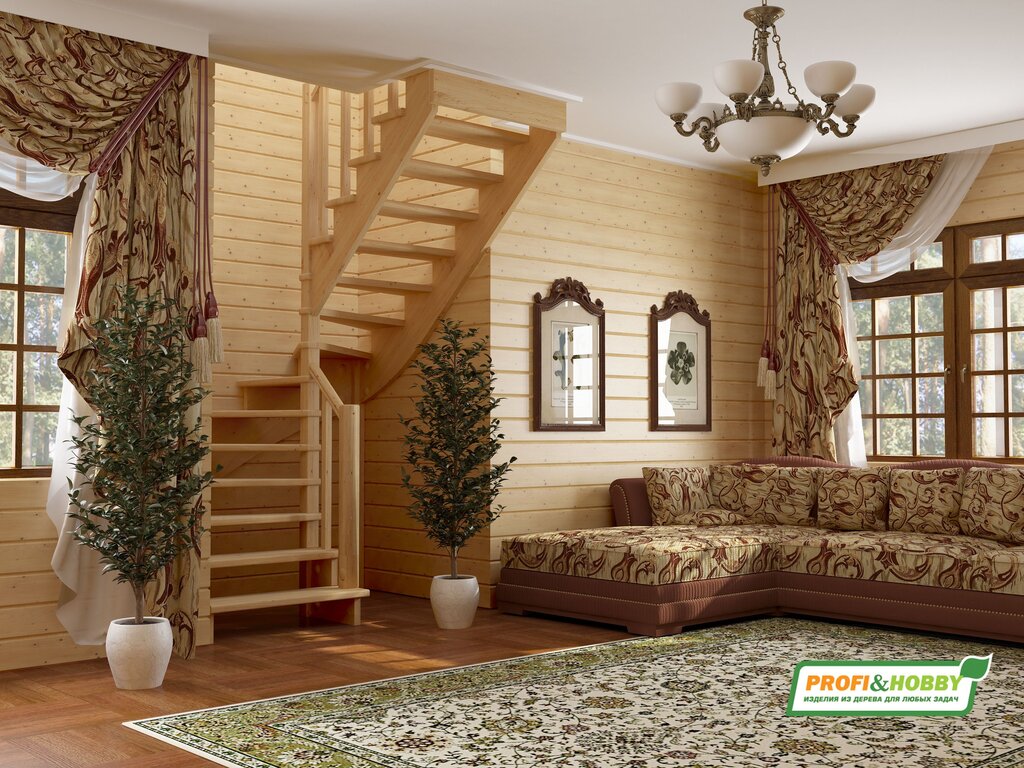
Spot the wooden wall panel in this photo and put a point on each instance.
(632, 230)
(998, 192)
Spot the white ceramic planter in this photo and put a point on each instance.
(138, 653)
(454, 601)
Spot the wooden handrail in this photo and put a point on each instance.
(327, 389)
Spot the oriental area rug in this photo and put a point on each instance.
(708, 697)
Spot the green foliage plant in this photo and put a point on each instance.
(450, 443)
(140, 455)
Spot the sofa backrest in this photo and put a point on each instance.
(631, 507)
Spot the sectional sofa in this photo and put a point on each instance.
(936, 545)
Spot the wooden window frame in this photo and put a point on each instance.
(955, 279)
(22, 214)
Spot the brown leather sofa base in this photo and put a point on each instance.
(667, 609)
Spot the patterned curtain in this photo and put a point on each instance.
(842, 218)
(64, 93)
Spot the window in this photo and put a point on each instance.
(941, 349)
(34, 238)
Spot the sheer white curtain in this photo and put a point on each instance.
(89, 599)
(947, 191)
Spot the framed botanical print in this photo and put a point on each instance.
(680, 365)
(568, 359)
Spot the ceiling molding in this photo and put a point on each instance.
(668, 159)
(116, 23)
(804, 167)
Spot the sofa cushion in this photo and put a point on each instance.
(853, 499)
(993, 504)
(1001, 570)
(766, 495)
(930, 560)
(650, 555)
(925, 501)
(676, 494)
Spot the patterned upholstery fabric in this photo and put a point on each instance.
(649, 555)
(925, 501)
(929, 560)
(676, 494)
(853, 499)
(993, 504)
(655, 555)
(1001, 570)
(769, 495)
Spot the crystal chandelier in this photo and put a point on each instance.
(755, 126)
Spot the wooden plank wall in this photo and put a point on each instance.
(998, 192)
(632, 230)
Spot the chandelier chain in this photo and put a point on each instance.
(783, 67)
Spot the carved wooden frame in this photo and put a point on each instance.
(565, 289)
(674, 303)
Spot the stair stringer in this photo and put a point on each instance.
(374, 182)
(395, 348)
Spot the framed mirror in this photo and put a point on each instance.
(680, 365)
(568, 359)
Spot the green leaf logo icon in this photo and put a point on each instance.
(975, 667)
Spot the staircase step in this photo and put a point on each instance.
(404, 250)
(385, 116)
(274, 381)
(263, 447)
(384, 286)
(330, 351)
(357, 320)
(271, 556)
(272, 414)
(288, 597)
(429, 213)
(449, 174)
(322, 240)
(263, 482)
(355, 162)
(338, 202)
(263, 518)
(474, 133)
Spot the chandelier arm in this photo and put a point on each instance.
(831, 126)
(701, 124)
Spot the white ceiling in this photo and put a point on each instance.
(939, 66)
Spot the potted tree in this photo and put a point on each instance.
(142, 503)
(449, 445)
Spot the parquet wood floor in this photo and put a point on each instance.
(70, 715)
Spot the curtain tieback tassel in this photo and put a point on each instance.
(215, 334)
(200, 349)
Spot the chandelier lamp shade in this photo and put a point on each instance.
(753, 123)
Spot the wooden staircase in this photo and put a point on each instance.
(385, 251)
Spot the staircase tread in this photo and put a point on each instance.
(322, 240)
(285, 597)
(347, 318)
(449, 174)
(263, 447)
(262, 414)
(418, 212)
(404, 250)
(355, 162)
(263, 482)
(271, 556)
(385, 286)
(474, 133)
(261, 518)
(339, 350)
(338, 202)
(274, 381)
(385, 116)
